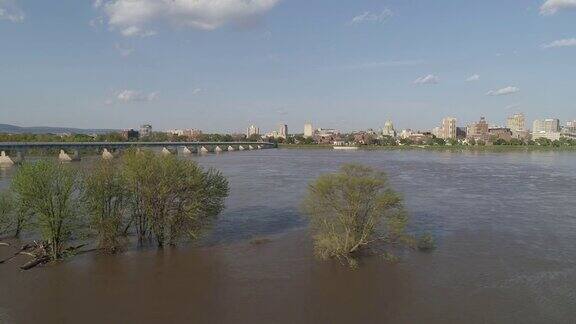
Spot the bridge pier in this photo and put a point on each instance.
(218, 149)
(106, 155)
(65, 157)
(231, 148)
(241, 148)
(166, 151)
(5, 160)
(189, 150)
(204, 149)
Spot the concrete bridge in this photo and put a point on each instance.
(14, 152)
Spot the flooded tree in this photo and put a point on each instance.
(46, 189)
(6, 212)
(105, 199)
(170, 197)
(352, 209)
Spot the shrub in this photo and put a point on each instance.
(350, 210)
(46, 190)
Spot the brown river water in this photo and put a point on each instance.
(505, 225)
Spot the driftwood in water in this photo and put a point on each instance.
(37, 261)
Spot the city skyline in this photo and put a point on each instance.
(269, 61)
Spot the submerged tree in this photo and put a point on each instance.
(104, 196)
(6, 212)
(46, 189)
(170, 197)
(350, 210)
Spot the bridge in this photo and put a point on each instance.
(13, 152)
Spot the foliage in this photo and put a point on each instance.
(172, 198)
(104, 197)
(350, 210)
(6, 212)
(426, 243)
(47, 190)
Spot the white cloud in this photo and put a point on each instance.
(131, 17)
(10, 11)
(135, 96)
(512, 106)
(503, 92)
(137, 31)
(472, 78)
(196, 91)
(550, 7)
(560, 43)
(371, 17)
(124, 51)
(429, 79)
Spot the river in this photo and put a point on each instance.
(505, 226)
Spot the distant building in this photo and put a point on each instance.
(448, 129)
(546, 128)
(308, 130)
(252, 130)
(570, 130)
(283, 131)
(388, 129)
(500, 133)
(130, 134)
(517, 125)
(478, 131)
(461, 132)
(145, 130)
(190, 133)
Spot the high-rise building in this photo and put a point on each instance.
(308, 130)
(283, 131)
(479, 130)
(546, 128)
(516, 123)
(145, 130)
(388, 129)
(252, 130)
(448, 130)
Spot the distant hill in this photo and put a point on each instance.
(12, 129)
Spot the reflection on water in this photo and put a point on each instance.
(505, 226)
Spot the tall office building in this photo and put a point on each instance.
(388, 129)
(145, 130)
(546, 128)
(283, 131)
(308, 130)
(546, 125)
(516, 123)
(448, 128)
(252, 130)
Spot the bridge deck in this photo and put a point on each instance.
(5, 146)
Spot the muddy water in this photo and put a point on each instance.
(505, 225)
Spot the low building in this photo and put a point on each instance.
(308, 130)
(478, 131)
(130, 134)
(500, 133)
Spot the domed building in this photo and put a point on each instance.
(388, 129)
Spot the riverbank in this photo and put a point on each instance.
(458, 148)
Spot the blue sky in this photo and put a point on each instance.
(223, 65)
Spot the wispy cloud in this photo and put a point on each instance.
(135, 96)
(551, 7)
(503, 91)
(512, 106)
(124, 51)
(10, 11)
(472, 78)
(428, 79)
(372, 17)
(568, 42)
(196, 91)
(381, 64)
